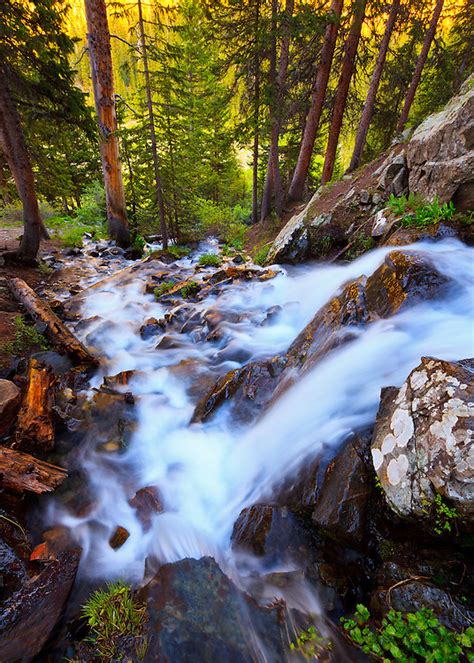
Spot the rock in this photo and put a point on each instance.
(391, 167)
(422, 442)
(151, 327)
(147, 502)
(380, 223)
(28, 617)
(197, 614)
(399, 184)
(119, 537)
(440, 154)
(238, 260)
(291, 243)
(341, 508)
(364, 197)
(10, 398)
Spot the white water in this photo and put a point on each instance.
(207, 473)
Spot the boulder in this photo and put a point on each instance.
(440, 154)
(10, 398)
(422, 442)
(197, 614)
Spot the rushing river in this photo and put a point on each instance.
(206, 473)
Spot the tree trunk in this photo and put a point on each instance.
(12, 142)
(4, 192)
(98, 38)
(347, 70)
(317, 102)
(154, 151)
(272, 193)
(419, 65)
(35, 423)
(256, 113)
(373, 89)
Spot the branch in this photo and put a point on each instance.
(85, 49)
(117, 96)
(124, 41)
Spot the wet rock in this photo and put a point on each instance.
(381, 224)
(10, 398)
(147, 502)
(28, 617)
(341, 508)
(192, 323)
(170, 343)
(151, 327)
(422, 442)
(440, 154)
(238, 260)
(197, 614)
(119, 537)
(271, 315)
(114, 383)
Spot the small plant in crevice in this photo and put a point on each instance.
(209, 260)
(261, 255)
(27, 338)
(163, 288)
(415, 212)
(178, 251)
(116, 618)
(444, 516)
(190, 290)
(138, 244)
(310, 644)
(360, 245)
(407, 637)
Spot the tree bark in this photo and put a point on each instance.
(20, 472)
(350, 52)
(13, 144)
(420, 65)
(151, 116)
(373, 89)
(56, 332)
(35, 425)
(98, 38)
(318, 96)
(256, 114)
(273, 194)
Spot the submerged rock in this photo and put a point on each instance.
(197, 614)
(423, 440)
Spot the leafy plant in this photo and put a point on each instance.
(209, 260)
(444, 516)
(310, 643)
(112, 615)
(163, 288)
(27, 338)
(407, 637)
(261, 255)
(361, 245)
(138, 244)
(179, 251)
(415, 212)
(189, 290)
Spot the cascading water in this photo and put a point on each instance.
(208, 472)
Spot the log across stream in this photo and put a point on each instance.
(205, 473)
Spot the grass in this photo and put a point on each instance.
(407, 637)
(415, 212)
(190, 290)
(261, 255)
(178, 251)
(114, 616)
(27, 338)
(209, 260)
(163, 288)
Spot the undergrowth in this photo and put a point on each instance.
(178, 251)
(209, 260)
(115, 618)
(310, 643)
(261, 255)
(415, 212)
(27, 338)
(189, 290)
(408, 637)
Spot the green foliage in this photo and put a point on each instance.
(444, 516)
(360, 245)
(89, 217)
(190, 290)
(113, 614)
(209, 260)
(178, 251)
(407, 637)
(138, 244)
(27, 339)
(261, 255)
(310, 643)
(221, 220)
(92, 211)
(415, 212)
(163, 288)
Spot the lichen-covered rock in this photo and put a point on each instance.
(423, 440)
(440, 154)
(291, 243)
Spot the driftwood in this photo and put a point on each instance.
(56, 331)
(20, 472)
(35, 425)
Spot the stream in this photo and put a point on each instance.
(207, 472)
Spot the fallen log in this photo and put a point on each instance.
(35, 424)
(56, 331)
(20, 472)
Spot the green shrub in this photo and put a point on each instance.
(114, 616)
(92, 211)
(209, 260)
(443, 515)
(179, 251)
(163, 288)
(310, 643)
(407, 637)
(138, 244)
(415, 212)
(189, 290)
(261, 255)
(220, 220)
(27, 338)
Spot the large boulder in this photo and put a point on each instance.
(10, 397)
(423, 439)
(196, 614)
(440, 154)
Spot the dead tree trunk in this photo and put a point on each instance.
(98, 38)
(350, 52)
(20, 472)
(35, 425)
(318, 96)
(256, 114)
(151, 116)
(12, 142)
(373, 89)
(56, 331)
(420, 65)
(272, 194)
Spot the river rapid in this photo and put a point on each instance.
(207, 472)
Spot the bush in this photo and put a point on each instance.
(189, 290)
(163, 288)
(138, 244)
(27, 338)
(92, 211)
(178, 251)
(261, 255)
(220, 220)
(209, 260)
(407, 637)
(114, 615)
(415, 212)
